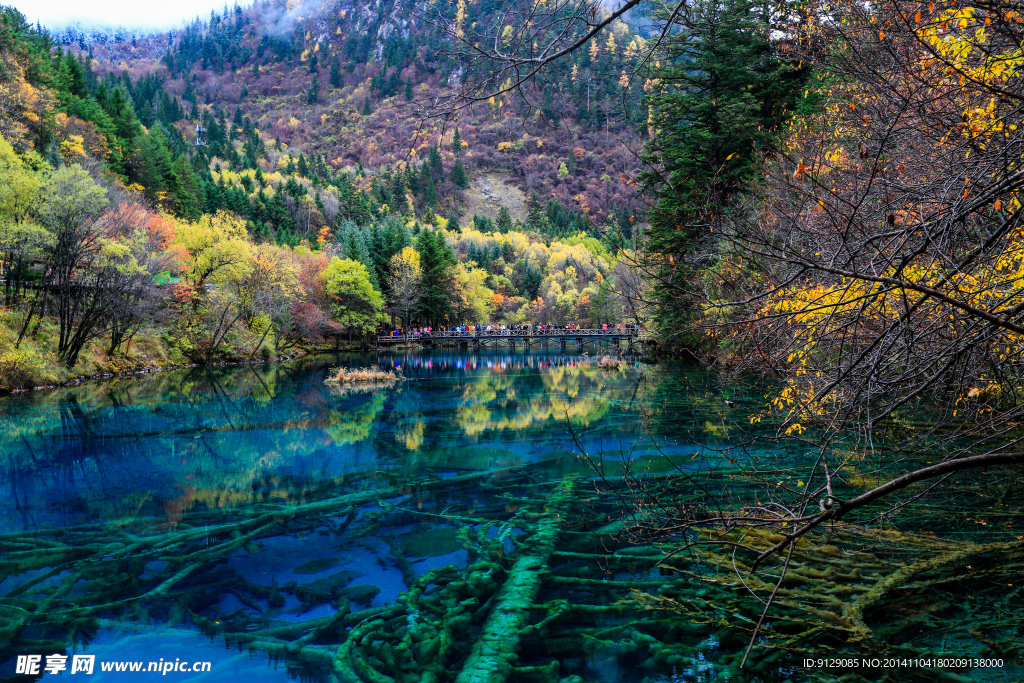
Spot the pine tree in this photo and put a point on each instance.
(437, 261)
(427, 189)
(456, 142)
(532, 278)
(314, 91)
(398, 187)
(412, 179)
(189, 197)
(408, 91)
(459, 174)
(724, 93)
(153, 168)
(453, 222)
(504, 222)
(535, 217)
(436, 165)
(366, 106)
(335, 75)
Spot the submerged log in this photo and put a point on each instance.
(493, 657)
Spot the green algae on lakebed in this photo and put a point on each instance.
(441, 530)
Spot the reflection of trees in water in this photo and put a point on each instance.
(159, 445)
(350, 418)
(581, 392)
(162, 443)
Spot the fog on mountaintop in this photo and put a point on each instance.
(115, 19)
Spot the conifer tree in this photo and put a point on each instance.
(453, 222)
(535, 217)
(427, 189)
(436, 165)
(504, 222)
(189, 198)
(459, 174)
(154, 169)
(724, 92)
(437, 262)
(314, 90)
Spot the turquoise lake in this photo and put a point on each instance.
(273, 527)
(169, 452)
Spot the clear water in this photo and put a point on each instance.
(150, 454)
(100, 470)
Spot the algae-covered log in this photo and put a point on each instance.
(493, 656)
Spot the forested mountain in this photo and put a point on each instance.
(279, 161)
(339, 87)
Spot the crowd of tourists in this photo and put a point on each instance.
(497, 330)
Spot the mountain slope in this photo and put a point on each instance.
(344, 81)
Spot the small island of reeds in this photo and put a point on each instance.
(360, 375)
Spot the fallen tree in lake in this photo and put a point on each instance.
(543, 580)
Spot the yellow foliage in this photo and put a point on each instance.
(217, 249)
(460, 18)
(72, 147)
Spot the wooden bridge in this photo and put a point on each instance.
(579, 339)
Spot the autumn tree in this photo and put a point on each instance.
(76, 254)
(471, 297)
(217, 259)
(266, 293)
(404, 291)
(142, 242)
(22, 236)
(352, 300)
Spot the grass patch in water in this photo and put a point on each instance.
(370, 374)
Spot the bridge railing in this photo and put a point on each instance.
(521, 334)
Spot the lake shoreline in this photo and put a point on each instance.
(143, 369)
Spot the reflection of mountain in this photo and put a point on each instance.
(156, 447)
